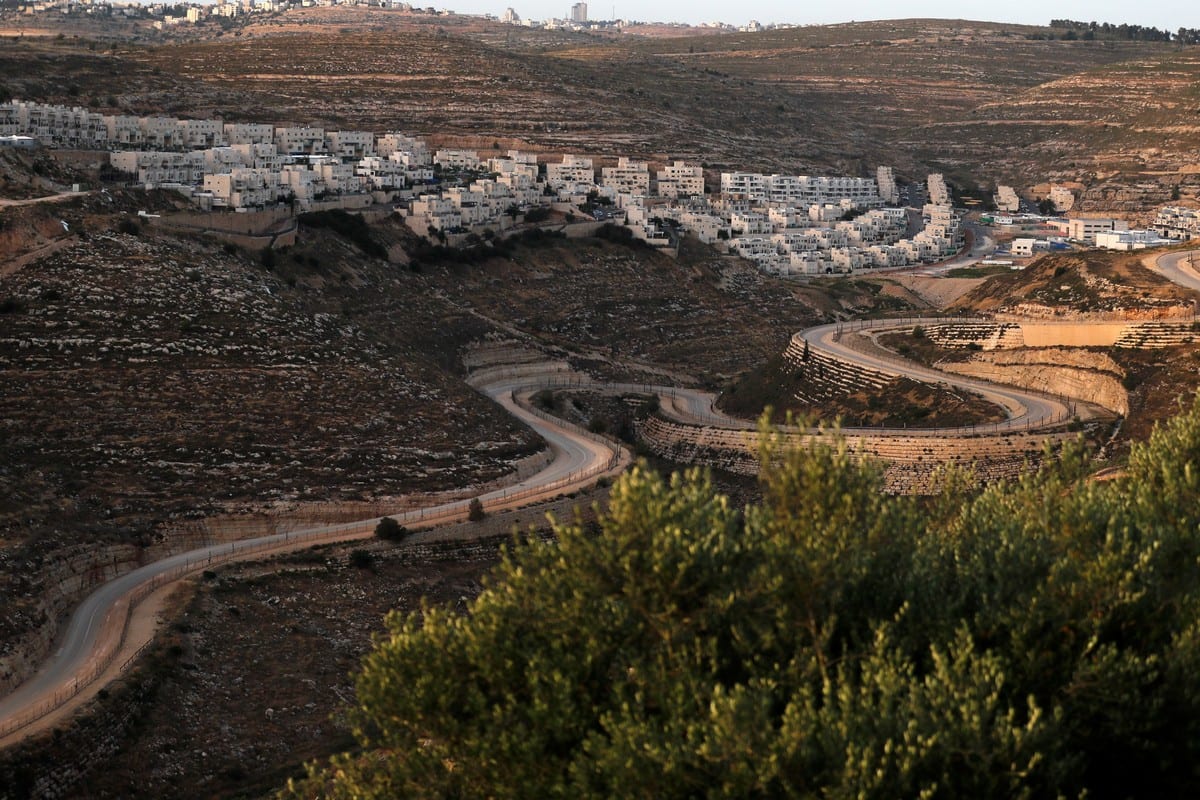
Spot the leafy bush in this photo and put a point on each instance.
(391, 530)
(361, 559)
(475, 511)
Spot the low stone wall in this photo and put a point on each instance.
(34, 769)
(911, 462)
(1007, 335)
(1083, 374)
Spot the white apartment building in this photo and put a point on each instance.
(10, 123)
(524, 190)
(515, 163)
(433, 211)
(414, 151)
(706, 227)
(198, 134)
(249, 133)
(1085, 230)
(260, 156)
(336, 177)
(846, 259)
(300, 141)
(681, 179)
(939, 193)
(161, 133)
(748, 224)
(154, 168)
(350, 144)
(457, 159)
(799, 190)
(381, 173)
(123, 130)
(784, 217)
(1176, 222)
(885, 181)
(243, 188)
(1062, 198)
(300, 182)
(222, 160)
(1006, 199)
(572, 173)
(627, 177)
(579, 12)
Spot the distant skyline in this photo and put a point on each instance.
(1169, 14)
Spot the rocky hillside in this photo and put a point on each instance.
(1080, 284)
(914, 93)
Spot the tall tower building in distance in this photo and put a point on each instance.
(579, 12)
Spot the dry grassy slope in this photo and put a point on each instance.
(886, 79)
(143, 378)
(1093, 281)
(823, 99)
(1112, 127)
(621, 307)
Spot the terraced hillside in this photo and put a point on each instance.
(884, 77)
(1130, 131)
(843, 98)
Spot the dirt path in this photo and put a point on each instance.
(14, 265)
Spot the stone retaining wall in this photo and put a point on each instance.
(911, 461)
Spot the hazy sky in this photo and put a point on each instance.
(1170, 14)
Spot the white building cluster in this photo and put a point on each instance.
(787, 224)
(939, 193)
(1175, 222)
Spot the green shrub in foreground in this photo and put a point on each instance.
(1037, 639)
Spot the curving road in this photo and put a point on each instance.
(1182, 268)
(1024, 408)
(97, 626)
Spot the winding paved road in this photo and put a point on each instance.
(1182, 268)
(96, 629)
(1024, 408)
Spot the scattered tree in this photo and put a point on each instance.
(391, 530)
(475, 511)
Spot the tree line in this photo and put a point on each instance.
(1088, 31)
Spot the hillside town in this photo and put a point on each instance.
(786, 224)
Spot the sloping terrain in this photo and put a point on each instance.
(1130, 131)
(631, 313)
(1074, 284)
(843, 98)
(144, 380)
